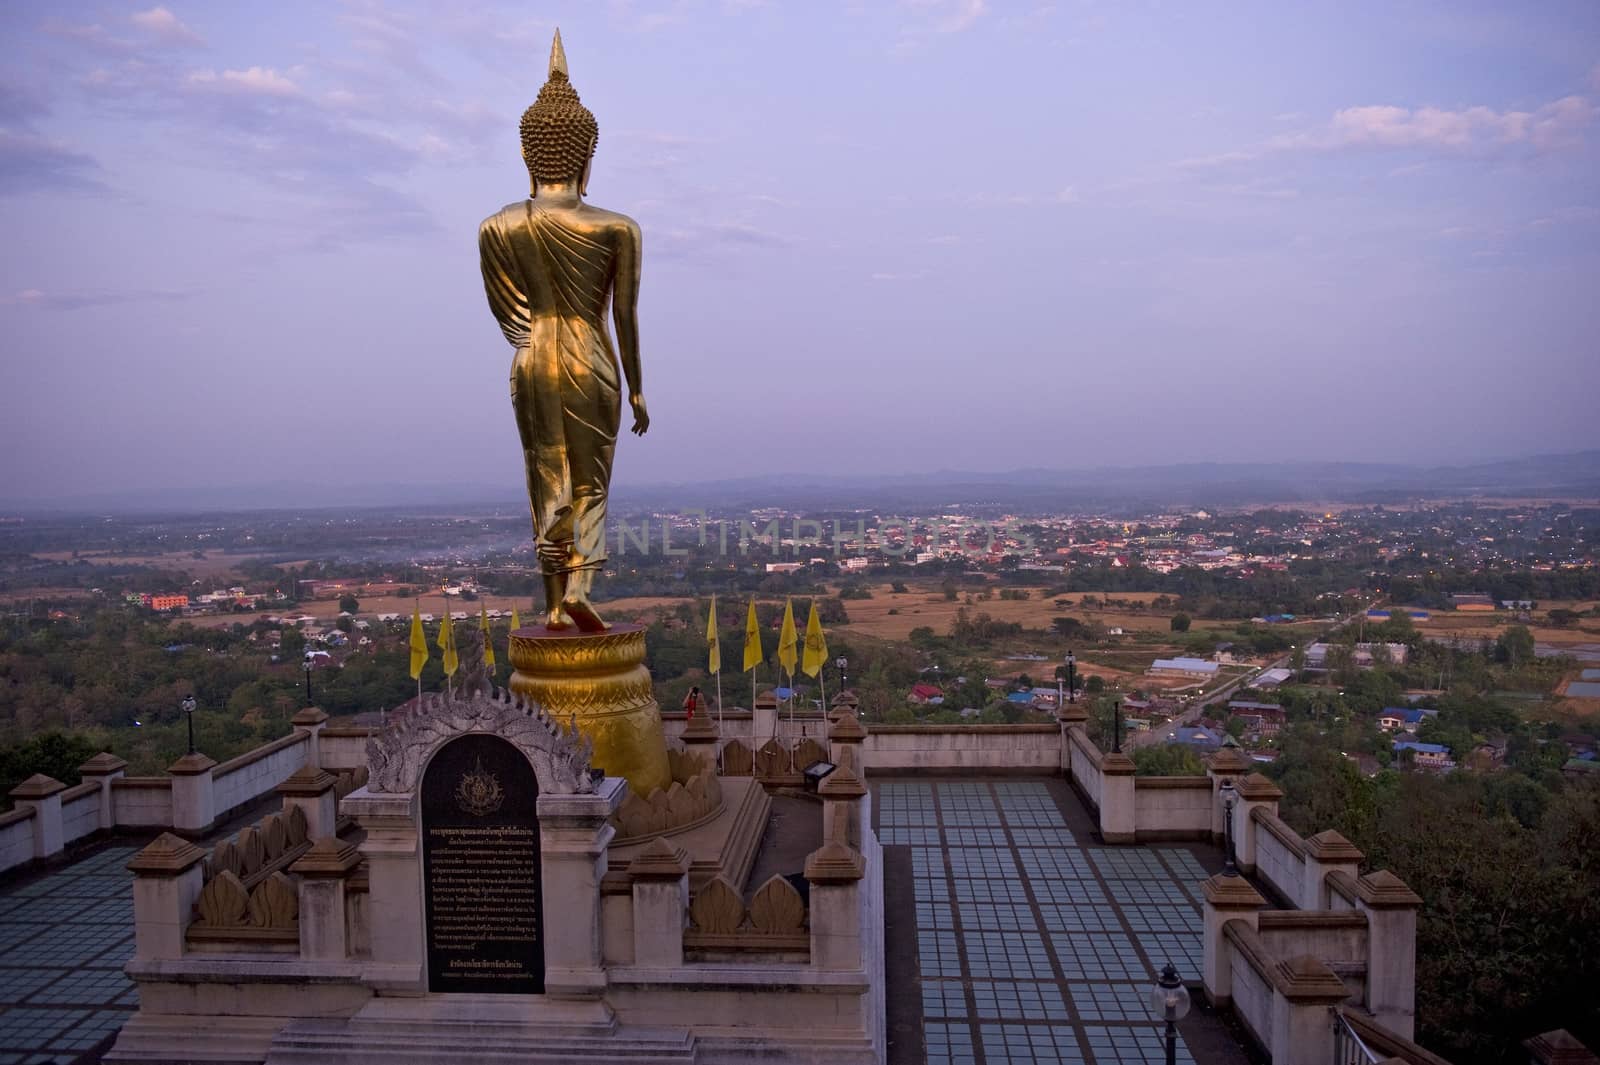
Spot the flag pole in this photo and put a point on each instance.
(822, 689)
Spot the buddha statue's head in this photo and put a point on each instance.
(558, 132)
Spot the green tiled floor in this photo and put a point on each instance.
(64, 938)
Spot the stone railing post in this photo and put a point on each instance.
(167, 879)
(1117, 810)
(835, 873)
(194, 798)
(323, 870)
(1324, 853)
(845, 739)
(1254, 790)
(42, 794)
(103, 768)
(1229, 763)
(842, 792)
(312, 790)
(1227, 898)
(1303, 988)
(1391, 909)
(1070, 716)
(660, 876)
(574, 833)
(394, 899)
(310, 721)
(700, 738)
(763, 719)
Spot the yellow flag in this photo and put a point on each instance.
(419, 642)
(753, 654)
(713, 644)
(447, 643)
(488, 636)
(516, 622)
(788, 642)
(816, 654)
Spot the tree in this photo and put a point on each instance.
(1563, 619)
(1095, 684)
(1180, 622)
(294, 643)
(898, 588)
(349, 603)
(1068, 627)
(55, 754)
(1515, 646)
(1167, 760)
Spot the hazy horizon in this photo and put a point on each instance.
(881, 239)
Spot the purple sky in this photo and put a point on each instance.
(879, 237)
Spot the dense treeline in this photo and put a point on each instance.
(1508, 867)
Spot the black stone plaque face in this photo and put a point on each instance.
(480, 869)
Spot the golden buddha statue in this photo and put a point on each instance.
(551, 263)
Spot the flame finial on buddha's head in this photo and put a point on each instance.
(558, 132)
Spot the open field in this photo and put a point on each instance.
(927, 606)
(1448, 624)
(326, 610)
(215, 564)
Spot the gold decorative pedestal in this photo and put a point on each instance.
(599, 681)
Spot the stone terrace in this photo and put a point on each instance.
(64, 938)
(1014, 938)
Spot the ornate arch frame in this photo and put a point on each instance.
(397, 756)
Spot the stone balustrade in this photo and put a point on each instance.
(196, 794)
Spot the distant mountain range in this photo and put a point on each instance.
(1570, 475)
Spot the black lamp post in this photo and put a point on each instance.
(307, 666)
(843, 663)
(1116, 726)
(1169, 1001)
(1072, 677)
(1230, 794)
(188, 706)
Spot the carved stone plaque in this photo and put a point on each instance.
(480, 869)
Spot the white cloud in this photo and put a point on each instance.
(1384, 126)
(256, 81)
(932, 18)
(1380, 127)
(163, 24)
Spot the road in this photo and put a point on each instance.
(1166, 733)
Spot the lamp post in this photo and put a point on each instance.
(1169, 1001)
(188, 707)
(1072, 677)
(306, 665)
(1230, 794)
(843, 663)
(1116, 726)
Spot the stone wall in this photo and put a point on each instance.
(240, 781)
(1030, 749)
(16, 838)
(1172, 807)
(143, 802)
(1278, 861)
(80, 811)
(343, 747)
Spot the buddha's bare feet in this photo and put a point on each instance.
(557, 620)
(583, 613)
